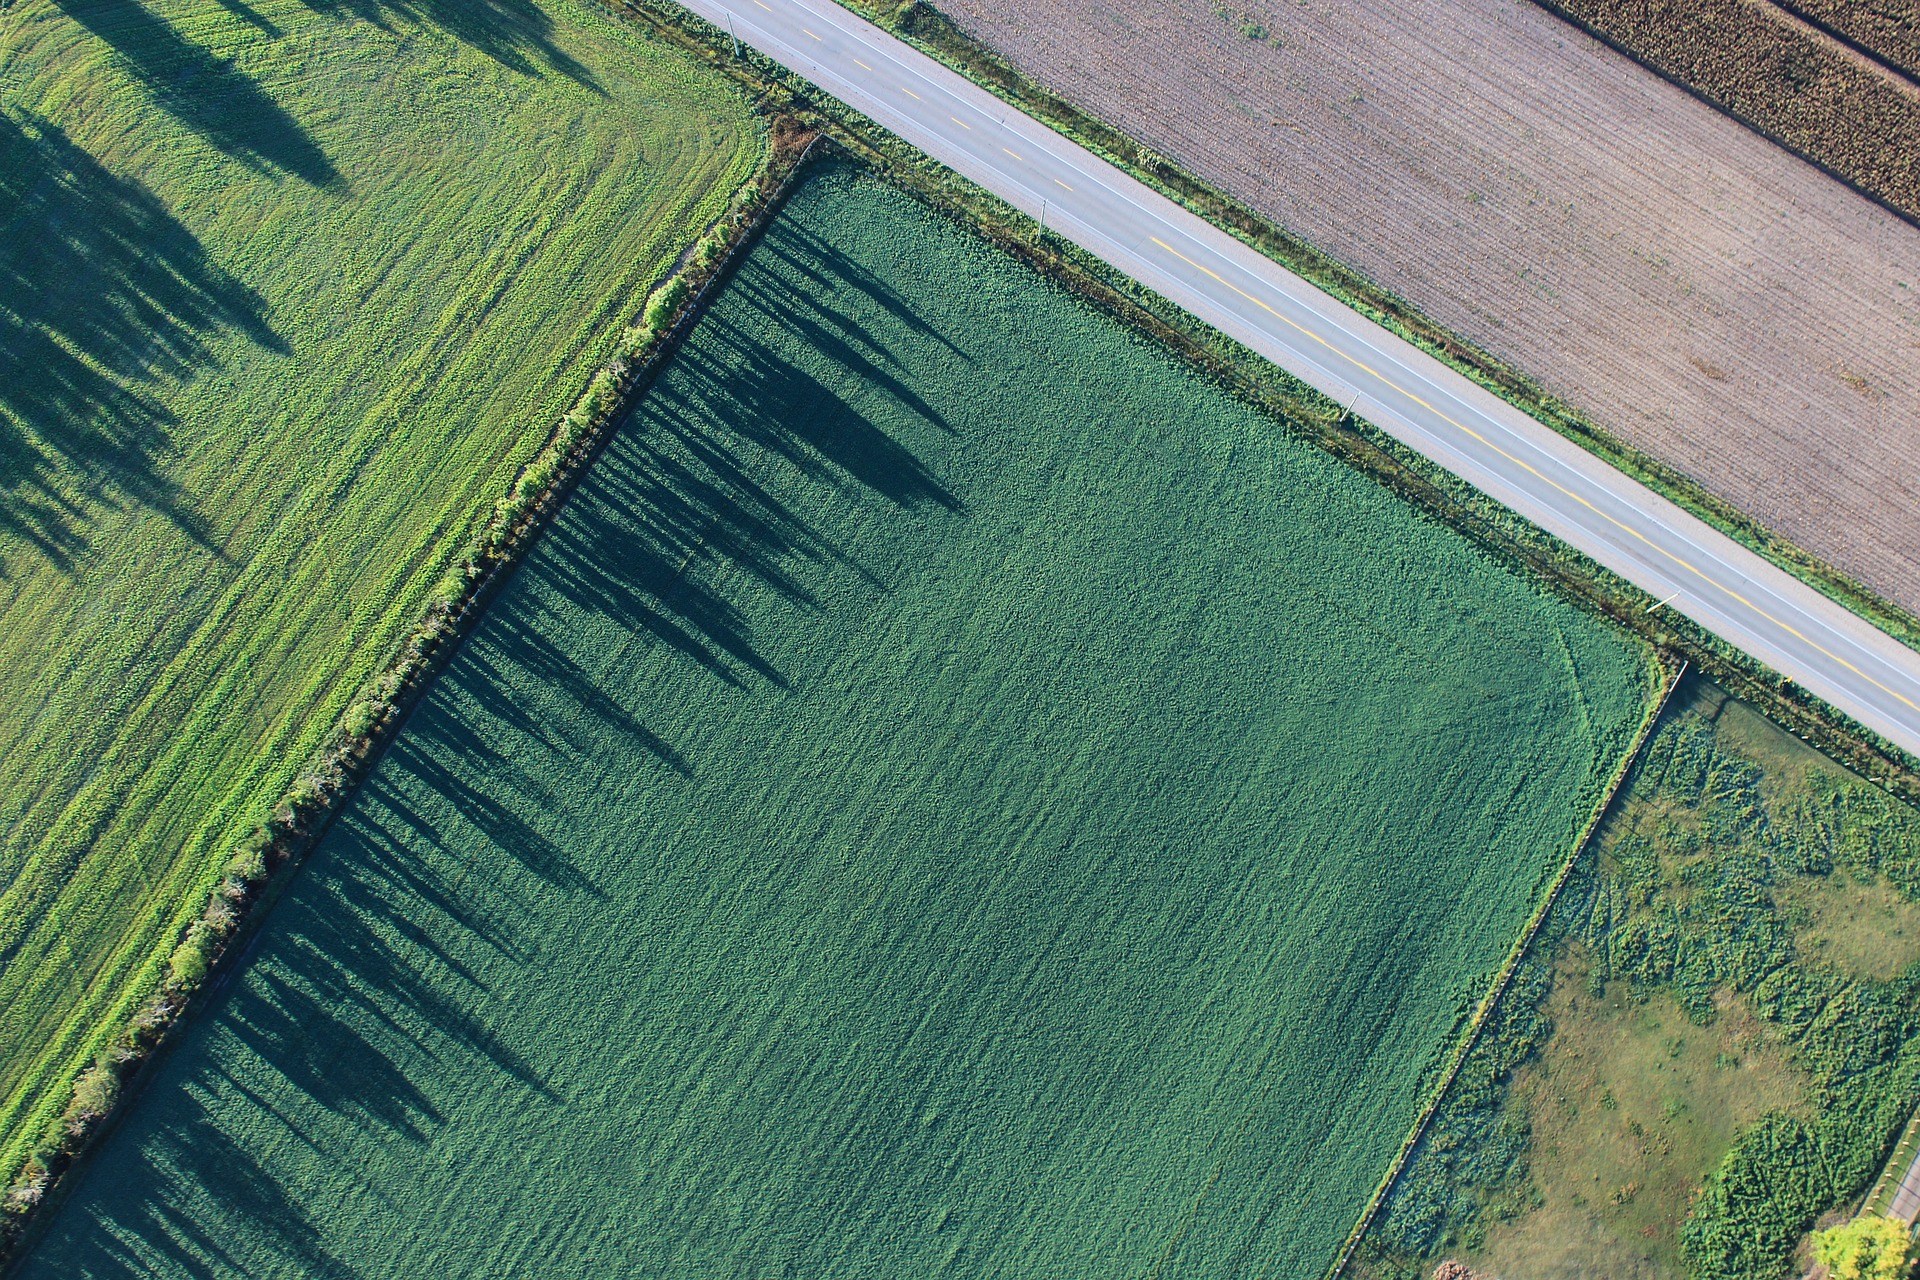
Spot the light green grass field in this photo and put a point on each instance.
(288, 291)
(954, 794)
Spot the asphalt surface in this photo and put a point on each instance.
(1678, 559)
(1906, 1198)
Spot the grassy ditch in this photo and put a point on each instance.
(298, 298)
(979, 776)
(1714, 1041)
(934, 33)
(1748, 59)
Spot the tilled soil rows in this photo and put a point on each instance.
(1887, 29)
(1834, 106)
(1704, 295)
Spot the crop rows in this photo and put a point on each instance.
(1740, 54)
(1887, 29)
(291, 292)
(952, 789)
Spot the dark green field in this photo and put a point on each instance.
(953, 794)
(289, 291)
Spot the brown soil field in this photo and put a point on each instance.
(1774, 71)
(1888, 29)
(1702, 294)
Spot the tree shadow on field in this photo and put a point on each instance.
(207, 94)
(696, 492)
(517, 34)
(176, 1167)
(456, 861)
(102, 295)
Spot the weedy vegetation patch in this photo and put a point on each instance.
(953, 793)
(1698, 1060)
(289, 290)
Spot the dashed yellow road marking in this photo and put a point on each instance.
(910, 93)
(1689, 566)
(962, 123)
(1015, 154)
(767, 7)
(1057, 181)
(811, 34)
(863, 66)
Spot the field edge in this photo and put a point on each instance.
(935, 34)
(257, 874)
(1666, 678)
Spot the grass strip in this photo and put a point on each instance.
(292, 292)
(937, 35)
(257, 873)
(1671, 677)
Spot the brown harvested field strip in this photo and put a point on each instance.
(1777, 74)
(1888, 29)
(1702, 294)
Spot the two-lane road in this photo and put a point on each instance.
(1407, 393)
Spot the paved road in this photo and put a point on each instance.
(1394, 385)
(1906, 1197)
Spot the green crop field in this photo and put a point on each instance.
(289, 289)
(954, 793)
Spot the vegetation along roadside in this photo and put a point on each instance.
(937, 35)
(914, 936)
(1305, 410)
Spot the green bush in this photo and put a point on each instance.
(188, 964)
(666, 302)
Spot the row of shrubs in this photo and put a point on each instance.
(253, 870)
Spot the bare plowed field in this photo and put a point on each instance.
(1838, 107)
(1704, 295)
(1887, 29)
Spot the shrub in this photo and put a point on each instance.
(1868, 1248)
(360, 719)
(94, 1094)
(188, 964)
(665, 302)
(247, 864)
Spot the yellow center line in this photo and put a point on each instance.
(811, 34)
(910, 93)
(1070, 188)
(1016, 155)
(962, 123)
(863, 66)
(767, 7)
(1787, 627)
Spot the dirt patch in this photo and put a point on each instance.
(1706, 296)
(1632, 1106)
(1865, 928)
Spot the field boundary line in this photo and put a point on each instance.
(933, 33)
(1522, 546)
(1900, 1161)
(1504, 977)
(1745, 119)
(260, 872)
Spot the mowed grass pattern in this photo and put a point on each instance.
(288, 292)
(953, 794)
